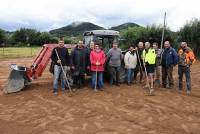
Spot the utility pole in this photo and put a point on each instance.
(163, 32)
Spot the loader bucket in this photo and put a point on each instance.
(16, 80)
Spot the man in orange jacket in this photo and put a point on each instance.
(186, 59)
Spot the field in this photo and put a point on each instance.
(116, 110)
(13, 52)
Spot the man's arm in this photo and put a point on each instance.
(53, 56)
(175, 57)
(191, 57)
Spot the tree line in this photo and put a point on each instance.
(190, 33)
(29, 37)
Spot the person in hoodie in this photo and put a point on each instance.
(97, 60)
(130, 60)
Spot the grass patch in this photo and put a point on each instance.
(18, 52)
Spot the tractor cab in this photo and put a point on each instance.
(105, 37)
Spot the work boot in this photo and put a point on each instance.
(131, 83)
(180, 91)
(55, 93)
(146, 87)
(95, 90)
(171, 86)
(100, 88)
(74, 90)
(188, 92)
(128, 83)
(117, 84)
(151, 91)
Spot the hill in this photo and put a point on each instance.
(76, 28)
(124, 26)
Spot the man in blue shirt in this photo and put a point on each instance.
(169, 59)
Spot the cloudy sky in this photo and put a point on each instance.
(45, 15)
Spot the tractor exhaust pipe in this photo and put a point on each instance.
(17, 79)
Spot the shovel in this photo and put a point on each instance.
(64, 74)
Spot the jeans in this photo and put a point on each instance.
(98, 81)
(114, 73)
(130, 73)
(57, 72)
(181, 71)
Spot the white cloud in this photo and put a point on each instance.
(49, 14)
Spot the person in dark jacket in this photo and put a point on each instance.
(80, 59)
(169, 59)
(64, 60)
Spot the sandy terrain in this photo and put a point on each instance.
(117, 110)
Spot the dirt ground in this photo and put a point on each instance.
(116, 110)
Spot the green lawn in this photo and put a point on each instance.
(16, 52)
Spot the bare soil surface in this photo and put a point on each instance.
(116, 110)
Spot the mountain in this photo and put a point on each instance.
(76, 28)
(124, 26)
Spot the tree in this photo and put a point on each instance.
(25, 36)
(32, 36)
(191, 34)
(133, 34)
(150, 33)
(46, 38)
(19, 36)
(2, 36)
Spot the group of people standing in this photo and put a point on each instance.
(144, 58)
(153, 62)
